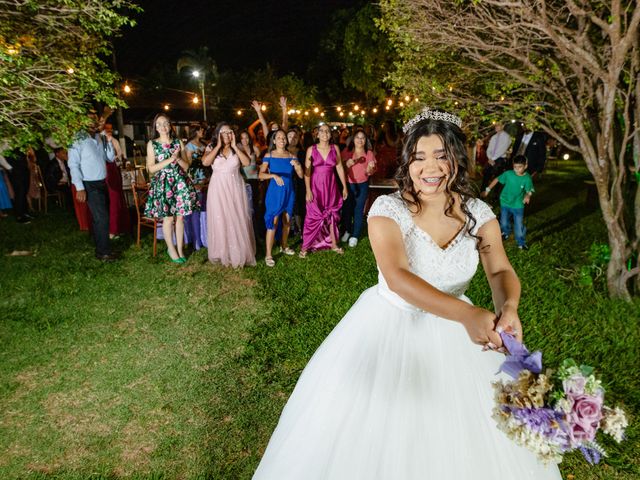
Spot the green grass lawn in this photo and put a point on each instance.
(150, 370)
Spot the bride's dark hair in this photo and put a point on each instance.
(454, 142)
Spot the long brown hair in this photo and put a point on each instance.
(155, 135)
(454, 142)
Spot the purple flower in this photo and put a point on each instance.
(574, 385)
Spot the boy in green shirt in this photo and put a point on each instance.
(517, 191)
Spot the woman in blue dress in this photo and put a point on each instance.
(278, 166)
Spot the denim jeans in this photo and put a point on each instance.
(353, 209)
(518, 223)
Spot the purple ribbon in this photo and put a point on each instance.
(518, 357)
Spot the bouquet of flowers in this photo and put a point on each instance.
(554, 412)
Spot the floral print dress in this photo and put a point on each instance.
(171, 191)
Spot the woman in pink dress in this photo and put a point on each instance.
(229, 229)
(324, 201)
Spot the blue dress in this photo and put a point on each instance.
(5, 200)
(279, 199)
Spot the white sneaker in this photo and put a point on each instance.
(345, 237)
(353, 241)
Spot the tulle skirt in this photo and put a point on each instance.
(395, 393)
(230, 239)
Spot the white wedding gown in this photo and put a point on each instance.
(395, 393)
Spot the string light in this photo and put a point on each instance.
(298, 112)
(306, 113)
(70, 70)
(263, 107)
(126, 88)
(356, 108)
(316, 110)
(351, 114)
(342, 114)
(407, 98)
(387, 107)
(502, 98)
(166, 106)
(389, 103)
(322, 114)
(375, 110)
(415, 99)
(339, 109)
(401, 104)
(196, 99)
(239, 112)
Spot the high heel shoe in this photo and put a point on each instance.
(179, 261)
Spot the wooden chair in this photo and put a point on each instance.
(45, 194)
(140, 194)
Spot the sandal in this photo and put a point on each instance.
(302, 254)
(287, 251)
(338, 250)
(269, 261)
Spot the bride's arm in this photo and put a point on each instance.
(388, 248)
(504, 283)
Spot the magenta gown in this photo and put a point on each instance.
(323, 213)
(230, 239)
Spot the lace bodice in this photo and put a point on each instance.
(448, 269)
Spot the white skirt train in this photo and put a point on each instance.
(394, 393)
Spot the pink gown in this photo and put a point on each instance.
(323, 212)
(229, 229)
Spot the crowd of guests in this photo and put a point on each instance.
(261, 184)
(266, 182)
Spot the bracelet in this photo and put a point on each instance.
(488, 189)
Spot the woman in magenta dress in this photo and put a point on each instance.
(230, 237)
(324, 200)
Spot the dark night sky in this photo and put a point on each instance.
(240, 34)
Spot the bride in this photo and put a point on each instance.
(401, 389)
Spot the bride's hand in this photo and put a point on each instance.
(509, 321)
(481, 326)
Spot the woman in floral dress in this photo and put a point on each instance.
(171, 194)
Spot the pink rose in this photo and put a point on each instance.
(169, 194)
(585, 417)
(574, 385)
(579, 435)
(166, 146)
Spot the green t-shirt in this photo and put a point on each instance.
(515, 188)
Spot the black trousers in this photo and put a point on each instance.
(98, 200)
(19, 177)
(492, 171)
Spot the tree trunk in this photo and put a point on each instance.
(617, 267)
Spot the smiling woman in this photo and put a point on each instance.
(230, 239)
(405, 365)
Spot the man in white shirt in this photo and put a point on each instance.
(499, 144)
(87, 162)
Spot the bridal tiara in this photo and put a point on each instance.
(428, 114)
